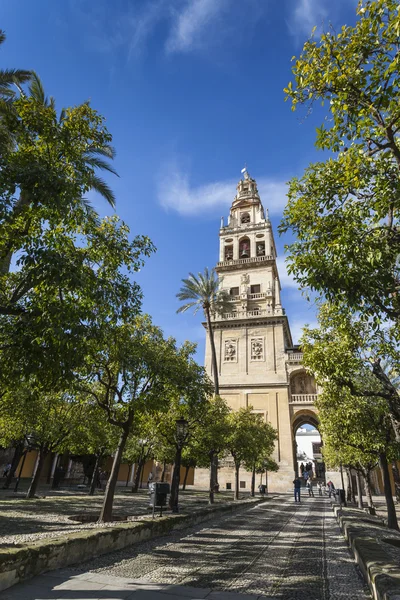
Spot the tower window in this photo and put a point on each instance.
(255, 289)
(260, 247)
(228, 252)
(245, 218)
(244, 248)
(234, 291)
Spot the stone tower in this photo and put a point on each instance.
(257, 363)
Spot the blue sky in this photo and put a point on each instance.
(191, 90)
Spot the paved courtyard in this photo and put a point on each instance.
(277, 550)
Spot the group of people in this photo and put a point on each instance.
(323, 488)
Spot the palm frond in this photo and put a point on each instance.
(90, 211)
(36, 90)
(102, 188)
(106, 151)
(2, 36)
(99, 163)
(14, 76)
(186, 307)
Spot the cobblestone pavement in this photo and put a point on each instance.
(277, 550)
(23, 520)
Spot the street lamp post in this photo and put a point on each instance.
(180, 438)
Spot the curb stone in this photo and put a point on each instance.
(18, 564)
(366, 535)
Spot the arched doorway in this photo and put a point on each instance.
(307, 444)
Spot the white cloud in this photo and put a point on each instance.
(193, 24)
(306, 15)
(189, 25)
(175, 192)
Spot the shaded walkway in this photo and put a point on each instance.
(277, 550)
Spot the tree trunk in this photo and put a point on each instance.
(129, 472)
(138, 475)
(359, 492)
(36, 478)
(163, 471)
(212, 479)
(95, 475)
(352, 490)
(213, 352)
(185, 478)
(349, 486)
(368, 493)
(237, 467)
(266, 481)
(253, 482)
(5, 261)
(391, 510)
(174, 496)
(18, 453)
(48, 478)
(106, 511)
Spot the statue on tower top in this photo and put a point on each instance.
(245, 173)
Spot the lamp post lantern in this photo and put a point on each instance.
(180, 438)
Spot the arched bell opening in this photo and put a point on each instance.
(245, 218)
(244, 248)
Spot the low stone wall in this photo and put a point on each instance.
(367, 538)
(21, 563)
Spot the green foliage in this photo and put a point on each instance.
(92, 434)
(345, 211)
(342, 352)
(131, 368)
(250, 438)
(357, 411)
(72, 271)
(213, 431)
(45, 421)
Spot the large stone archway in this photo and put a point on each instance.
(307, 416)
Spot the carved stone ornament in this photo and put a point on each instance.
(245, 279)
(230, 354)
(257, 349)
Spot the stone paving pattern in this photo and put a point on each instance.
(277, 550)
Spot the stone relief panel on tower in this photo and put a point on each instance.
(230, 352)
(257, 349)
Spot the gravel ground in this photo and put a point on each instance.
(278, 549)
(23, 520)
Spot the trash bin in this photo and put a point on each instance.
(341, 496)
(158, 493)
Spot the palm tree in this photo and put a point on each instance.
(95, 156)
(9, 79)
(204, 292)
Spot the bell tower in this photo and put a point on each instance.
(253, 339)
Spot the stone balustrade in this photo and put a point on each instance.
(244, 261)
(303, 398)
(250, 313)
(295, 357)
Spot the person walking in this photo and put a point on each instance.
(310, 487)
(297, 487)
(319, 486)
(331, 488)
(306, 476)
